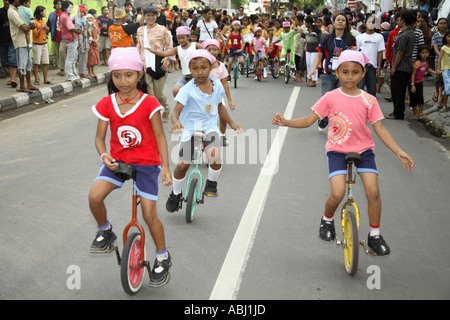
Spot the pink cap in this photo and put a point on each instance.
(183, 30)
(209, 42)
(353, 56)
(125, 58)
(256, 29)
(236, 22)
(202, 53)
(286, 24)
(385, 25)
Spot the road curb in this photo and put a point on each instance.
(22, 99)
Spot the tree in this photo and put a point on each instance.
(239, 3)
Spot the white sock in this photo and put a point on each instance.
(213, 175)
(374, 231)
(177, 185)
(327, 219)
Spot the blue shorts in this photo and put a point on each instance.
(259, 55)
(147, 183)
(232, 51)
(337, 164)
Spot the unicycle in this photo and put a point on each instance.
(287, 67)
(133, 263)
(259, 70)
(194, 185)
(350, 221)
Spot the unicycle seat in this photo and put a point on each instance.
(353, 157)
(125, 171)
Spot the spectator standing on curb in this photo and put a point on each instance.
(371, 43)
(23, 55)
(58, 41)
(104, 21)
(71, 36)
(402, 65)
(93, 54)
(436, 44)
(7, 51)
(83, 42)
(40, 48)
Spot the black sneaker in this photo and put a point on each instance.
(323, 123)
(103, 241)
(160, 272)
(326, 230)
(378, 245)
(211, 188)
(229, 78)
(173, 203)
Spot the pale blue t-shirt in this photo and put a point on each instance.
(200, 110)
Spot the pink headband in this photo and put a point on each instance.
(125, 58)
(208, 42)
(183, 30)
(256, 29)
(353, 56)
(236, 22)
(202, 53)
(286, 24)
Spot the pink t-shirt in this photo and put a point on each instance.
(348, 116)
(219, 73)
(258, 43)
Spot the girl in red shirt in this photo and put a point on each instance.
(236, 41)
(137, 138)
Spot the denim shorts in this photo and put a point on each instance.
(232, 51)
(24, 63)
(337, 164)
(8, 54)
(259, 55)
(147, 183)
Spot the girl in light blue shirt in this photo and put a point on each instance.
(198, 104)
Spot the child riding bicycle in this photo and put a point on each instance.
(349, 109)
(198, 105)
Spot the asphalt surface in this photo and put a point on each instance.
(264, 224)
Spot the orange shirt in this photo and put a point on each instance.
(39, 37)
(118, 37)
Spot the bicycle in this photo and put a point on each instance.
(274, 64)
(246, 69)
(236, 69)
(133, 262)
(350, 219)
(287, 67)
(259, 70)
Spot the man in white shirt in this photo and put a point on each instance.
(372, 45)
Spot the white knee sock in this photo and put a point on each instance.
(177, 185)
(213, 175)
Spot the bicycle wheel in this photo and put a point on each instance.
(235, 74)
(131, 273)
(191, 200)
(259, 71)
(287, 71)
(351, 238)
(247, 66)
(275, 68)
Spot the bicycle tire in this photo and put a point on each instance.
(131, 274)
(275, 68)
(351, 238)
(287, 71)
(259, 71)
(235, 75)
(247, 66)
(191, 200)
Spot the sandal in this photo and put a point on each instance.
(48, 82)
(444, 109)
(392, 117)
(165, 116)
(435, 97)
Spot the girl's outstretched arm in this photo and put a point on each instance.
(226, 116)
(162, 148)
(385, 136)
(304, 122)
(100, 144)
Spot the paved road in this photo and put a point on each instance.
(257, 240)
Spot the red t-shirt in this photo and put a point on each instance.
(235, 40)
(132, 137)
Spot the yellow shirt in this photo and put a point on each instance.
(445, 62)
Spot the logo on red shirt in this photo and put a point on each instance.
(129, 136)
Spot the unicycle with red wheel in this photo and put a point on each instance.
(133, 263)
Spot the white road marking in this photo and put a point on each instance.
(228, 281)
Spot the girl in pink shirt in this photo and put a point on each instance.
(349, 109)
(420, 67)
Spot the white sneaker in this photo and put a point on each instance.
(265, 74)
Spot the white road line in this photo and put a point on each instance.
(228, 281)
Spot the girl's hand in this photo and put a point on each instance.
(232, 105)
(237, 128)
(406, 160)
(177, 128)
(413, 88)
(278, 119)
(166, 176)
(313, 72)
(110, 162)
